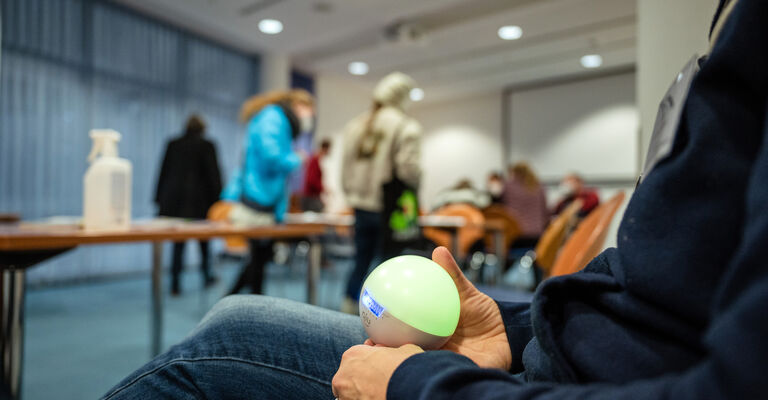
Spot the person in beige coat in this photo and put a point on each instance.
(377, 144)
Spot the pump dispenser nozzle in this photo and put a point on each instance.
(104, 143)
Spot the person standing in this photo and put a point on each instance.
(313, 180)
(188, 185)
(260, 185)
(377, 144)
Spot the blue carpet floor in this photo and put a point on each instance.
(83, 339)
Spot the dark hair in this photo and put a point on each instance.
(195, 125)
(325, 144)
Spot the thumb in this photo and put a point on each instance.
(443, 257)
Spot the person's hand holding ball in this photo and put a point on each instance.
(365, 370)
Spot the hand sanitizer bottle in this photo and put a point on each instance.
(107, 185)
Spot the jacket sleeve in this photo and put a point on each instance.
(275, 158)
(163, 174)
(282, 206)
(408, 153)
(733, 368)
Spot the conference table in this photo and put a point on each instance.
(27, 244)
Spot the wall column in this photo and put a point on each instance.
(668, 34)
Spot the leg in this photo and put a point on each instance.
(12, 335)
(366, 246)
(176, 266)
(205, 262)
(157, 298)
(243, 278)
(262, 252)
(250, 347)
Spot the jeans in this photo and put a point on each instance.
(250, 347)
(178, 263)
(367, 246)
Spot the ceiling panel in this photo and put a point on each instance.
(457, 50)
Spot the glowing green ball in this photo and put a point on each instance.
(409, 299)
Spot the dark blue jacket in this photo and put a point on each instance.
(679, 310)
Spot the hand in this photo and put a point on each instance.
(480, 334)
(365, 370)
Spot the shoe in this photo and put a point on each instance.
(175, 292)
(349, 306)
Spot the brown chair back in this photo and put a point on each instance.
(588, 239)
(468, 234)
(497, 215)
(219, 211)
(554, 236)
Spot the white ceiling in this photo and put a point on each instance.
(458, 53)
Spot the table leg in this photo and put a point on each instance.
(313, 269)
(157, 298)
(498, 242)
(455, 245)
(12, 334)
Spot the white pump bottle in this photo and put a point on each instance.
(107, 185)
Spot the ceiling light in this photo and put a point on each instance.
(270, 26)
(417, 94)
(357, 68)
(591, 61)
(510, 32)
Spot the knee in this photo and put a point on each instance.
(236, 307)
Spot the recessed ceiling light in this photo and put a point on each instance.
(591, 61)
(417, 94)
(357, 68)
(510, 32)
(270, 26)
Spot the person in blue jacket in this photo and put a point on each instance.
(259, 185)
(676, 311)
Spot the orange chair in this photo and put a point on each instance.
(219, 211)
(553, 237)
(467, 235)
(497, 215)
(588, 239)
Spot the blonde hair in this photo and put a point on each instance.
(254, 104)
(524, 172)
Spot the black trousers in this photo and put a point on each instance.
(178, 262)
(252, 273)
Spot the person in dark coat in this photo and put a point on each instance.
(188, 185)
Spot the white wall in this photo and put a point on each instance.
(338, 101)
(668, 34)
(588, 126)
(462, 139)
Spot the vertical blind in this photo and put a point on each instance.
(69, 66)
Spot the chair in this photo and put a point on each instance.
(554, 236)
(234, 245)
(497, 215)
(588, 239)
(468, 235)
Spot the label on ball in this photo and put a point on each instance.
(368, 301)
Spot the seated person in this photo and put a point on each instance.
(462, 193)
(676, 311)
(573, 188)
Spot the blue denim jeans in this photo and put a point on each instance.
(250, 347)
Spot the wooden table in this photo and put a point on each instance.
(448, 223)
(23, 246)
